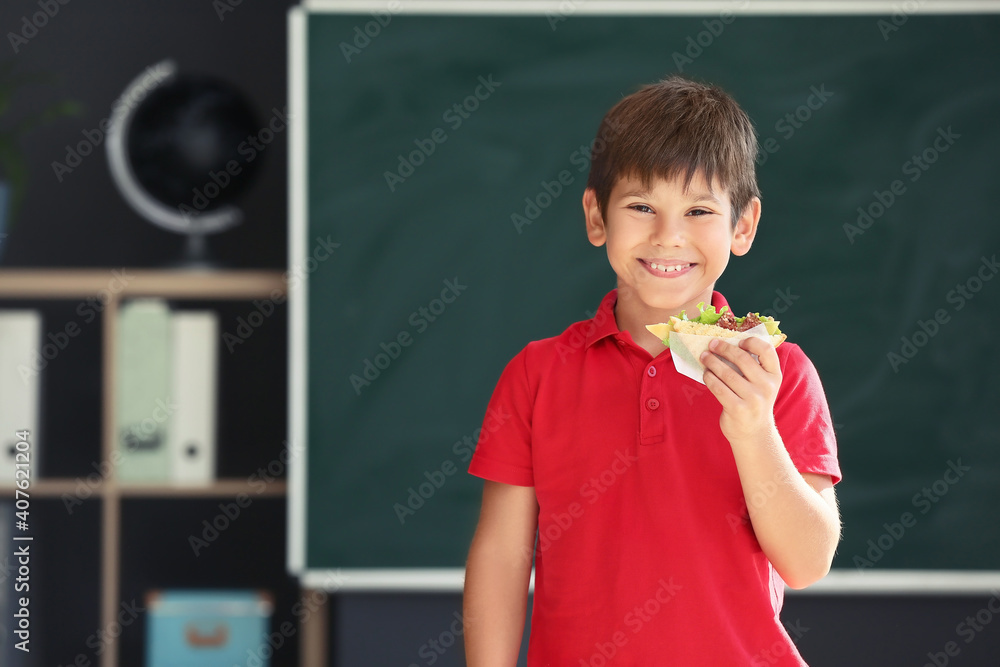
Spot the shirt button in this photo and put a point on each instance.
(651, 371)
(622, 343)
(652, 403)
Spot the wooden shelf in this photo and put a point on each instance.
(112, 286)
(56, 488)
(218, 489)
(45, 488)
(125, 282)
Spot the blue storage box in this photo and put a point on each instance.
(199, 628)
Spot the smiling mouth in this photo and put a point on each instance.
(666, 268)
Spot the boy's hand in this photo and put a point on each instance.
(748, 401)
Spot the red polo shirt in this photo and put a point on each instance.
(645, 554)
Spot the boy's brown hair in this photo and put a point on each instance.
(672, 127)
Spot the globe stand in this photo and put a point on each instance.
(195, 254)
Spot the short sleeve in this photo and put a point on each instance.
(802, 415)
(503, 452)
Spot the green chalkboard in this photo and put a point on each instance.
(447, 157)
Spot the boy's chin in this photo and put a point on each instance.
(654, 299)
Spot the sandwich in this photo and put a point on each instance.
(722, 324)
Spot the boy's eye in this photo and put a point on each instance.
(699, 212)
(641, 208)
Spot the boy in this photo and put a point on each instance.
(669, 514)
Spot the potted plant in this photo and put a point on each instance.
(13, 165)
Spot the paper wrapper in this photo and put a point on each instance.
(686, 349)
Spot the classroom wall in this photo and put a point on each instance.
(82, 222)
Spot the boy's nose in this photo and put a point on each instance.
(667, 231)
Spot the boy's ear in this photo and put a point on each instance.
(595, 221)
(746, 228)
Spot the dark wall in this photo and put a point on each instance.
(88, 52)
(95, 50)
(829, 630)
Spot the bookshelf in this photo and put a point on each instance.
(114, 286)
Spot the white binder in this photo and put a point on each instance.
(20, 340)
(195, 342)
(145, 405)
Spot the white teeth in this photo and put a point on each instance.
(675, 267)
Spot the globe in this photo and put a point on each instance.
(174, 150)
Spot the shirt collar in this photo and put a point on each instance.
(604, 324)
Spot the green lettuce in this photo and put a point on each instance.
(706, 315)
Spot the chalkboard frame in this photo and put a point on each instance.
(845, 581)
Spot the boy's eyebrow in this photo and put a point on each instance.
(704, 196)
(692, 196)
(641, 194)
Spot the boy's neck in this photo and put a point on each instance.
(632, 315)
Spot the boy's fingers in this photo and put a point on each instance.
(719, 387)
(766, 354)
(735, 354)
(713, 361)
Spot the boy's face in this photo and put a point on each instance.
(667, 245)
